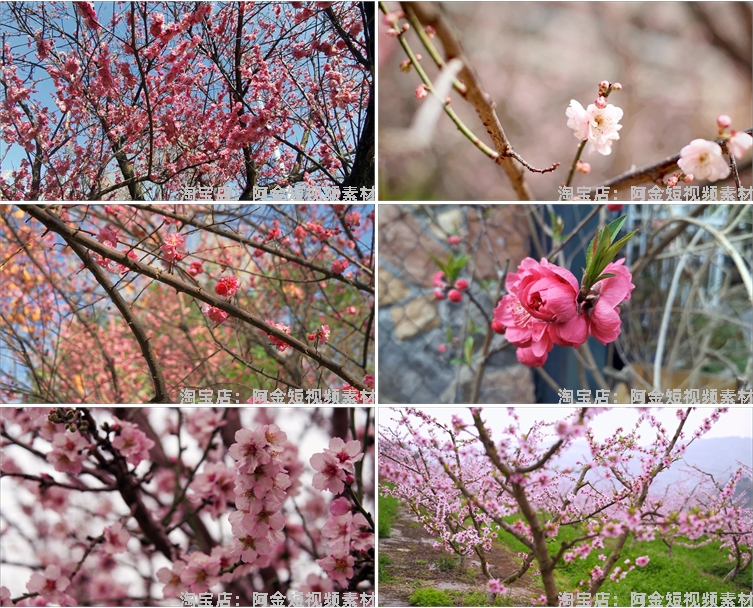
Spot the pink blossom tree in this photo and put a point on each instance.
(144, 304)
(463, 481)
(138, 101)
(176, 503)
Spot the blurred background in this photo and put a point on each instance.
(681, 65)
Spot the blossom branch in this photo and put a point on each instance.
(429, 14)
(55, 224)
(653, 172)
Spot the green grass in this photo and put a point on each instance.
(447, 562)
(428, 596)
(385, 576)
(688, 570)
(387, 514)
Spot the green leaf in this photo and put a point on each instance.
(471, 326)
(590, 253)
(468, 349)
(449, 335)
(614, 249)
(439, 264)
(456, 361)
(615, 226)
(606, 275)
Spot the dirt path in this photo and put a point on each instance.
(415, 563)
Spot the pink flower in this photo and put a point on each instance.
(248, 448)
(215, 314)
(704, 160)
(227, 287)
(132, 443)
(195, 268)
(201, 572)
(495, 586)
(351, 310)
(340, 506)
(171, 578)
(546, 291)
(108, 236)
(739, 143)
(642, 561)
(170, 247)
(421, 91)
(368, 380)
(454, 239)
(338, 567)
(279, 344)
(323, 334)
(329, 475)
(597, 125)
(49, 585)
(339, 266)
(116, 539)
(353, 219)
(346, 453)
(86, 10)
(604, 319)
(68, 452)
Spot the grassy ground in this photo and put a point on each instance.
(699, 570)
(387, 514)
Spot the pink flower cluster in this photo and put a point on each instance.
(339, 266)
(109, 237)
(227, 287)
(335, 466)
(260, 490)
(51, 586)
(541, 308)
(131, 442)
(279, 344)
(321, 335)
(346, 532)
(68, 452)
(215, 314)
(170, 247)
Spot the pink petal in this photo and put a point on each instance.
(605, 323)
(572, 333)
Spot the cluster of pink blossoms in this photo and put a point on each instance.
(279, 344)
(599, 123)
(227, 287)
(260, 490)
(345, 531)
(541, 308)
(131, 442)
(69, 451)
(170, 247)
(321, 335)
(339, 266)
(109, 237)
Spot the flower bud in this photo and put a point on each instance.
(349, 479)
(419, 56)
(498, 327)
(454, 239)
(421, 91)
(603, 86)
(584, 168)
(442, 348)
(688, 179)
(461, 284)
(455, 296)
(615, 207)
(723, 121)
(601, 103)
(405, 66)
(439, 294)
(616, 86)
(405, 27)
(672, 181)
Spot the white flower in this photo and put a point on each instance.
(577, 120)
(704, 160)
(739, 143)
(597, 125)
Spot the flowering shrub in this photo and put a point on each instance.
(219, 501)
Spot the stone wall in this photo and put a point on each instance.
(418, 334)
